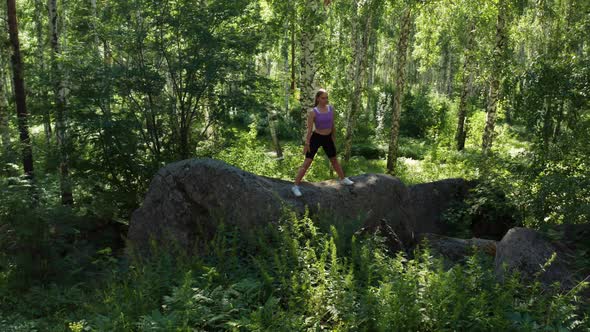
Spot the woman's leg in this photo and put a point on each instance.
(337, 167)
(330, 149)
(302, 170)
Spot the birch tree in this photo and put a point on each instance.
(402, 49)
(461, 132)
(311, 17)
(4, 130)
(60, 91)
(496, 75)
(40, 55)
(19, 91)
(362, 30)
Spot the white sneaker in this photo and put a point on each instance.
(296, 191)
(347, 182)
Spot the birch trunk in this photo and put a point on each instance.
(272, 116)
(105, 97)
(383, 104)
(399, 90)
(310, 20)
(488, 134)
(60, 106)
(41, 58)
(293, 27)
(19, 91)
(360, 37)
(4, 132)
(285, 54)
(560, 113)
(272, 122)
(461, 132)
(449, 73)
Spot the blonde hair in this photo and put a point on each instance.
(317, 95)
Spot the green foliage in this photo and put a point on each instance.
(151, 82)
(485, 206)
(291, 276)
(418, 115)
(252, 154)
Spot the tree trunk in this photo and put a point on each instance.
(272, 117)
(449, 75)
(399, 89)
(272, 123)
(309, 49)
(557, 131)
(361, 30)
(285, 54)
(461, 133)
(547, 123)
(41, 58)
(60, 106)
(183, 148)
(383, 104)
(372, 60)
(19, 92)
(293, 27)
(105, 95)
(488, 135)
(4, 130)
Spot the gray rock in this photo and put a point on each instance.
(188, 199)
(383, 229)
(455, 250)
(430, 200)
(526, 250)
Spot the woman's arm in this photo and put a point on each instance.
(333, 125)
(310, 115)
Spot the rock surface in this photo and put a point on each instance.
(430, 200)
(455, 250)
(527, 250)
(384, 230)
(188, 199)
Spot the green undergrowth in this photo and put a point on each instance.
(296, 274)
(543, 190)
(419, 160)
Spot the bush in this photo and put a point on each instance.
(418, 115)
(368, 151)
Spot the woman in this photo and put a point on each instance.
(322, 119)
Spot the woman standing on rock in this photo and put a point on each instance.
(320, 132)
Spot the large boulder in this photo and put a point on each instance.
(431, 200)
(527, 251)
(454, 250)
(188, 199)
(391, 240)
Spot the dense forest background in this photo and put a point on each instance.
(96, 96)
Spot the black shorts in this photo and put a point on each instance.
(324, 141)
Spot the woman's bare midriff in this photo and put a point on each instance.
(323, 131)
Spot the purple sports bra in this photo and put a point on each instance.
(323, 120)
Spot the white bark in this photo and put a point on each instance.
(60, 104)
(488, 135)
(310, 20)
(383, 105)
(4, 131)
(361, 25)
(461, 132)
(402, 48)
(41, 58)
